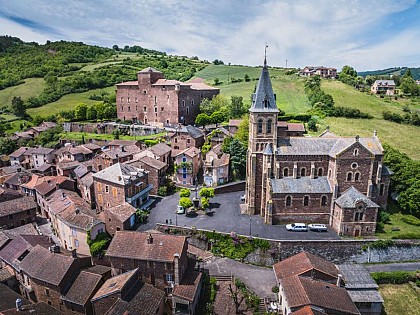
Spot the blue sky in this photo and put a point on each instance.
(362, 33)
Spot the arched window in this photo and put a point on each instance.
(192, 102)
(260, 126)
(357, 176)
(356, 152)
(320, 171)
(269, 122)
(288, 201)
(303, 172)
(306, 201)
(324, 201)
(349, 176)
(381, 190)
(183, 103)
(285, 172)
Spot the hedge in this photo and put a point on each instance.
(301, 117)
(394, 277)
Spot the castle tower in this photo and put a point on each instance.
(262, 143)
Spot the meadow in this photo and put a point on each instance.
(400, 299)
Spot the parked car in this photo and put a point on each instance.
(298, 227)
(317, 227)
(180, 210)
(243, 198)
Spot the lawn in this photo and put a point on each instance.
(31, 87)
(68, 102)
(396, 221)
(400, 299)
(15, 125)
(78, 136)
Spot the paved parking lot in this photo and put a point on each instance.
(225, 216)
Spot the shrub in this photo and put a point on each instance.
(206, 192)
(407, 236)
(184, 193)
(275, 289)
(410, 219)
(99, 244)
(162, 191)
(185, 202)
(299, 117)
(394, 277)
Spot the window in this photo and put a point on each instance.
(324, 201)
(357, 176)
(145, 109)
(349, 176)
(356, 152)
(358, 216)
(354, 165)
(303, 172)
(381, 190)
(192, 102)
(320, 171)
(135, 100)
(122, 108)
(128, 100)
(306, 201)
(183, 103)
(329, 173)
(188, 110)
(107, 189)
(269, 122)
(288, 201)
(188, 140)
(129, 108)
(76, 243)
(285, 172)
(176, 140)
(122, 99)
(47, 292)
(169, 277)
(266, 103)
(155, 99)
(114, 192)
(156, 110)
(259, 126)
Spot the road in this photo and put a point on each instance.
(225, 216)
(409, 266)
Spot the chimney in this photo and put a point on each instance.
(150, 239)
(74, 253)
(339, 278)
(176, 268)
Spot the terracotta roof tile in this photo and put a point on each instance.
(187, 288)
(114, 284)
(17, 205)
(122, 212)
(83, 288)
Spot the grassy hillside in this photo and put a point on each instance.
(31, 87)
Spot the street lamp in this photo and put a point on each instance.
(250, 226)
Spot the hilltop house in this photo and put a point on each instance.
(322, 71)
(386, 87)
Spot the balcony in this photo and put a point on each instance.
(139, 194)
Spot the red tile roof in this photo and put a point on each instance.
(163, 247)
(189, 285)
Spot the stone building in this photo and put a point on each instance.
(17, 212)
(301, 179)
(152, 99)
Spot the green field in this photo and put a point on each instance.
(31, 87)
(68, 102)
(397, 222)
(400, 299)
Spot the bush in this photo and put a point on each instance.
(394, 277)
(185, 202)
(349, 113)
(184, 193)
(99, 244)
(299, 117)
(162, 191)
(410, 219)
(275, 289)
(407, 236)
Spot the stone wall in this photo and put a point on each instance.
(231, 187)
(336, 251)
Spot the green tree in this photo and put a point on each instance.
(202, 119)
(242, 134)
(7, 146)
(116, 134)
(185, 202)
(237, 151)
(205, 202)
(206, 192)
(18, 108)
(184, 193)
(237, 108)
(91, 113)
(246, 77)
(312, 124)
(216, 81)
(217, 117)
(80, 112)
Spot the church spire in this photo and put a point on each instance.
(263, 100)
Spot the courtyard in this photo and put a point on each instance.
(225, 215)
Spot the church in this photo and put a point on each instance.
(340, 181)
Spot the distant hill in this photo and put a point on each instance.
(415, 72)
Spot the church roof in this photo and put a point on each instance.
(331, 146)
(303, 185)
(351, 197)
(263, 99)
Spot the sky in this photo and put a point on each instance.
(364, 34)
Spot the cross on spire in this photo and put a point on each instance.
(265, 54)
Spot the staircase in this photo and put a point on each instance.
(262, 309)
(222, 278)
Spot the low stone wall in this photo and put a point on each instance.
(108, 128)
(336, 251)
(231, 187)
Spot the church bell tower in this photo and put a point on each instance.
(262, 142)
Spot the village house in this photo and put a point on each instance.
(84, 182)
(16, 179)
(126, 294)
(73, 220)
(286, 129)
(41, 156)
(160, 151)
(216, 167)
(17, 157)
(386, 87)
(79, 153)
(121, 183)
(66, 168)
(217, 136)
(17, 212)
(45, 276)
(119, 217)
(156, 171)
(322, 71)
(120, 144)
(110, 157)
(186, 137)
(308, 282)
(9, 194)
(188, 165)
(152, 99)
(300, 179)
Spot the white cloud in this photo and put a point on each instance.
(328, 32)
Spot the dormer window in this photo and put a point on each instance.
(266, 103)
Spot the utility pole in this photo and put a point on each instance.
(250, 226)
(286, 63)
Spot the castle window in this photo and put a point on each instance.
(155, 108)
(188, 110)
(269, 122)
(354, 165)
(129, 108)
(122, 108)
(128, 100)
(357, 176)
(183, 103)
(349, 176)
(381, 190)
(201, 95)
(260, 126)
(162, 109)
(285, 172)
(145, 109)
(306, 201)
(324, 201)
(303, 172)
(320, 171)
(192, 102)
(155, 99)
(288, 201)
(356, 152)
(266, 103)
(144, 92)
(135, 100)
